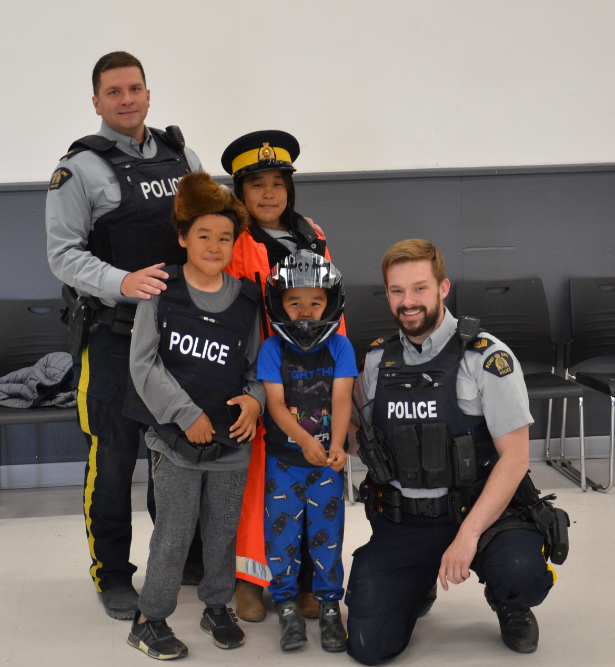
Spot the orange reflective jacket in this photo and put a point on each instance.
(250, 259)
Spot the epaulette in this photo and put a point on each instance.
(93, 142)
(481, 344)
(378, 343)
(173, 272)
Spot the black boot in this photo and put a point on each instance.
(429, 600)
(518, 625)
(120, 602)
(293, 625)
(333, 636)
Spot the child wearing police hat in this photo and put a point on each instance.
(308, 372)
(261, 164)
(192, 362)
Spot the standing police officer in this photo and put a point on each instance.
(457, 423)
(109, 235)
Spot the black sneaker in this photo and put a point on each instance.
(221, 624)
(120, 602)
(293, 625)
(428, 601)
(156, 639)
(518, 626)
(333, 636)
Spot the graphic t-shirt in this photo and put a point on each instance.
(308, 389)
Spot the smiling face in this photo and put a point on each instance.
(416, 298)
(122, 101)
(304, 303)
(265, 197)
(209, 244)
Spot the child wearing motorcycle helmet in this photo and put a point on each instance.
(308, 366)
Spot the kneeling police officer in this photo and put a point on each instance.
(451, 412)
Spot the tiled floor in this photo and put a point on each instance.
(49, 614)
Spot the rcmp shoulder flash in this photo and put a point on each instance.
(499, 364)
(60, 176)
(481, 344)
(377, 343)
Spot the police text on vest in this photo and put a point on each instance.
(189, 345)
(405, 410)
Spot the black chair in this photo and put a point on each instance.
(592, 302)
(516, 312)
(368, 317)
(31, 329)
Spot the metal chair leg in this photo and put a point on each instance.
(598, 487)
(350, 487)
(548, 437)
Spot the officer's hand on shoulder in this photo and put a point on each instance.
(314, 452)
(201, 431)
(144, 283)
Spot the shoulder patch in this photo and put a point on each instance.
(60, 176)
(499, 364)
(481, 344)
(379, 342)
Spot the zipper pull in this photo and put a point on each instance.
(210, 319)
(129, 181)
(164, 322)
(239, 344)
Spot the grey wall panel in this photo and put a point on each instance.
(24, 270)
(550, 222)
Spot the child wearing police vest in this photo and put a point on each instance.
(193, 366)
(261, 164)
(308, 372)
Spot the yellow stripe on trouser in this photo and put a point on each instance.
(550, 567)
(82, 404)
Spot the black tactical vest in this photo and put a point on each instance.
(308, 386)
(433, 442)
(204, 352)
(139, 232)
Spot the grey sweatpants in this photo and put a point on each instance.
(182, 495)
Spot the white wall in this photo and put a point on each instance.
(363, 84)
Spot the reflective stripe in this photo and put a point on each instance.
(82, 395)
(254, 570)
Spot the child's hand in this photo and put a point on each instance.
(201, 431)
(314, 452)
(337, 458)
(245, 427)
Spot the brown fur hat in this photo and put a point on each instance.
(198, 194)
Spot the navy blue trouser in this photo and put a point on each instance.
(296, 497)
(113, 440)
(392, 574)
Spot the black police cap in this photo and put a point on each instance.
(260, 151)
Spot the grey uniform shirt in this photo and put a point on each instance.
(73, 209)
(502, 400)
(161, 392)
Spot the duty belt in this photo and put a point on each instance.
(388, 501)
(194, 453)
(120, 319)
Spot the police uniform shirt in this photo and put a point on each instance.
(502, 399)
(161, 392)
(73, 209)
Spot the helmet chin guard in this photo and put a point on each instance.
(305, 269)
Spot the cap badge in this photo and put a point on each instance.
(266, 152)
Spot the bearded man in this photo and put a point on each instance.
(454, 413)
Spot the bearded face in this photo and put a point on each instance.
(421, 326)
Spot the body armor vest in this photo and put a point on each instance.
(139, 232)
(204, 352)
(434, 444)
(308, 386)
